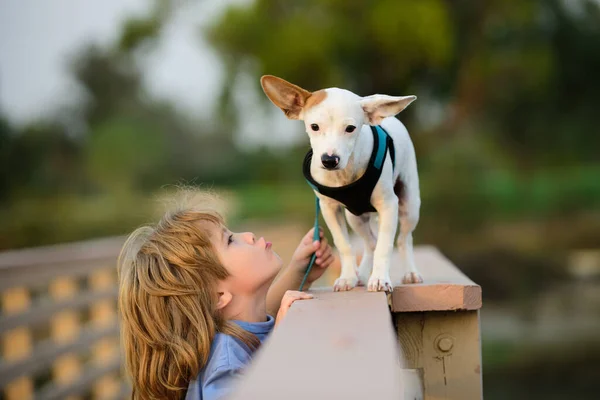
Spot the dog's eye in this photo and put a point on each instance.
(314, 127)
(350, 128)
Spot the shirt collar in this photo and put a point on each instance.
(257, 327)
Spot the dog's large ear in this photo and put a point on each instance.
(380, 106)
(285, 95)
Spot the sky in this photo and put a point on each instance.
(39, 38)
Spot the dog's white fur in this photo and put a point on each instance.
(333, 110)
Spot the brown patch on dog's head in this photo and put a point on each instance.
(315, 99)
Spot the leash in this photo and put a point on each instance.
(315, 238)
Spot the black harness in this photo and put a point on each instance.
(356, 196)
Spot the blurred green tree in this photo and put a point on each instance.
(521, 71)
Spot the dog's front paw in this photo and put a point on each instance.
(412, 277)
(343, 284)
(379, 284)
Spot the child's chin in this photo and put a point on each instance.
(279, 264)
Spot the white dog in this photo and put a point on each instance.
(364, 162)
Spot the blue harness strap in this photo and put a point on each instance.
(381, 149)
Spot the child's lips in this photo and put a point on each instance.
(268, 245)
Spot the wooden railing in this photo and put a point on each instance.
(59, 324)
(60, 335)
(419, 342)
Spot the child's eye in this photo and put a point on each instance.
(230, 239)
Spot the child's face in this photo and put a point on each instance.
(251, 262)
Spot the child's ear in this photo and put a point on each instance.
(224, 298)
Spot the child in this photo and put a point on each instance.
(196, 300)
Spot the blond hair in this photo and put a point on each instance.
(168, 275)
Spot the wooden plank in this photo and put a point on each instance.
(65, 328)
(39, 275)
(124, 393)
(409, 327)
(35, 316)
(444, 288)
(38, 266)
(48, 351)
(410, 336)
(104, 313)
(79, 252)
(446, 347)
(338, 345)
(452, 350)
(107, 386)
(16, 345)
(82, 385)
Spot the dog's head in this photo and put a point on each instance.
(333, 117)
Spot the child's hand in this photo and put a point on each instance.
(305, 250)
(288, 298)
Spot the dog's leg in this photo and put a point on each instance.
(361, 225)
(334, 217)
(388, 222)
(408, 211)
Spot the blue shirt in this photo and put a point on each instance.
(227, 357)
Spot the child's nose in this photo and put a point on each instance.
(249, 237)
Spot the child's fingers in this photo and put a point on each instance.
(324, 256)
(322, 247)
(288, 299)
(307, 250)
(310, 234)
(324, 250)
(324, 244)
(286, 302)
(293, 295)
(327, 262)
(308, 237)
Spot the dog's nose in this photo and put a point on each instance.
(330, 162)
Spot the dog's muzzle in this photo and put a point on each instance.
(330, 162)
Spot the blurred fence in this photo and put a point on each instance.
(59, 329)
